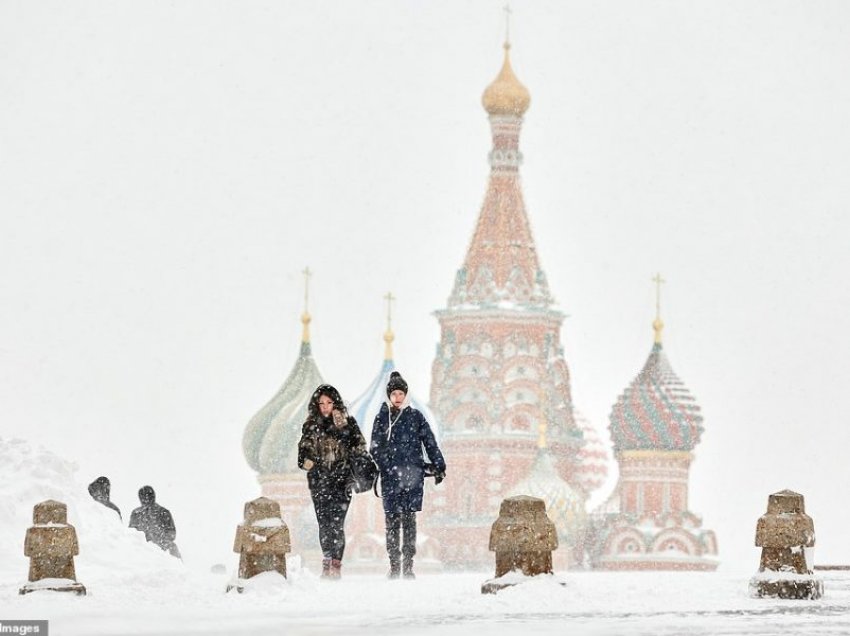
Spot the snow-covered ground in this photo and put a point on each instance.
(135, 588)
(590, 603)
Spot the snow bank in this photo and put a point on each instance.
(110, 553)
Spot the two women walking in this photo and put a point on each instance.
(331, 439)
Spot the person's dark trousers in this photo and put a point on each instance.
(330, 513)
(401, 541)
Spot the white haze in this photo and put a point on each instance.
(168, 169)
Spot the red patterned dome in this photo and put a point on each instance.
(656, 411)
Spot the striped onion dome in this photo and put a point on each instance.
(592, 466)
(656, 411)
(270, 441)
(368, 404)
(564, 504)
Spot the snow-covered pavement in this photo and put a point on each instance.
(590, 603)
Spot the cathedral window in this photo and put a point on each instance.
(672, 545)
(521, 372)
(519, 423)
(629, 544)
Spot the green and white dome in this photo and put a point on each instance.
(270, 441)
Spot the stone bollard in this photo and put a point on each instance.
(523, 538)
(51, 544)
(786, 536)
(262, 541)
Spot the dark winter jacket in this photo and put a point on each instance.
(397, 449)
(99, 490)
(329, 443)
(155, 521)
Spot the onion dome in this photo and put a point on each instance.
(656, 411)
(592, 467)
(270, 441)
(506, 95)
(564, 504)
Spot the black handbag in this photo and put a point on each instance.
(364, 472)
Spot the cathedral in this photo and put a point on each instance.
(502, 409)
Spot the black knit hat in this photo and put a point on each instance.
(396, 382)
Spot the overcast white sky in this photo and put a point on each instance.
(167, 170)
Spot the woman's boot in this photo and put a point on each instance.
(393, 525)
(336, 569)
(409, 548)
(326, 568)
(407, 568)
(395, 567)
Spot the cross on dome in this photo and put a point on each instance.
(305, 317)
(658, 324)
(389, 336)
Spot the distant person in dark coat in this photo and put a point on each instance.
(99, 490)
(329, 438)
(155, 521)
(398, 436)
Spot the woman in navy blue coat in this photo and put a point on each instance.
(398, 435)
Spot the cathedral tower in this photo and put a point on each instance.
(646, 523)
(499, 371)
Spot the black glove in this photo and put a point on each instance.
(438, 477)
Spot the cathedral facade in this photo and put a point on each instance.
(500, 382)
(501, 405)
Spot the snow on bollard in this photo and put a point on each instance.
(262, 542)
(523, 538)
(786, 536)
(51, 544)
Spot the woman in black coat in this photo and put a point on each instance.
(398, 435)
(329, 438)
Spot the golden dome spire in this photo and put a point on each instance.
(389, 336)
(506, 95)
(657, 324)
(305, 317)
